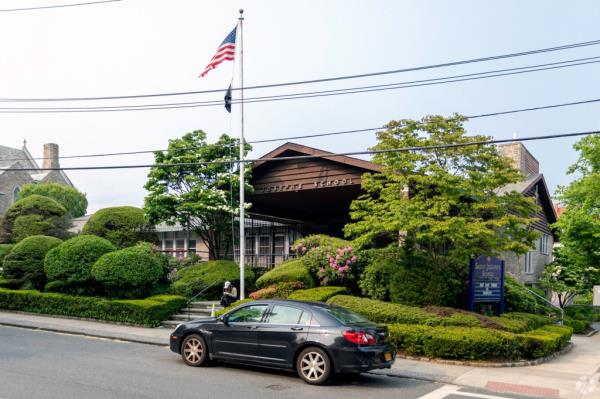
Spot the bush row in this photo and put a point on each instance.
(292, 270)
(193, 279)
(149, 312)
(389, 313)
(477, 343)
(319, 294)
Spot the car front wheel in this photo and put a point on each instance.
(313, 366)
(194, 351)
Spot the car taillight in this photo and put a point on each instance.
(358, 337)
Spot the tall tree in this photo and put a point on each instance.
(443, 202)
(74, 201)
(579, 225)
(201, 196)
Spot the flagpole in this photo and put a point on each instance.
(242, 165)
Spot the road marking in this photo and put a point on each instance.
(448, 390)
(441, 393)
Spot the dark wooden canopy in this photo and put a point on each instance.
(315, 190)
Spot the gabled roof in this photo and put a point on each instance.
(291, 149)
(527, 185)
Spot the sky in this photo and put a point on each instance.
(157, 46)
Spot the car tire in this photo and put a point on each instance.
(313, 366)
(194, 351)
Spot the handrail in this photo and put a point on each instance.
(562, 312)
(197, 295)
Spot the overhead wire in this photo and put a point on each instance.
(323, 155)
(323, 93)
(312, 81)
(58, 6)
(314, 135)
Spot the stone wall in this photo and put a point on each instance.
(516, 264)
(8, 182)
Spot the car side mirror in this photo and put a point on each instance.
(223, 319)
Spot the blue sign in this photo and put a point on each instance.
(486, 281)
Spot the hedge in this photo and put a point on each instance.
(583, 312)
(277, 291)
(578, 326)
(4, 251)
(477, 343)
(124, 226)
(319, 294)
(386, 312)
(149, 312)
(192, 279)
(292, 270)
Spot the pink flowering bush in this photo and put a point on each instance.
(306, 244)
(339, 267)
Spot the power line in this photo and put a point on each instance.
(59, 6)
(325, 93)
(330, 79)
(323, 155)
(314, 135)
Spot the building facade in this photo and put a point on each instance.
(529, 268)
(13, 179)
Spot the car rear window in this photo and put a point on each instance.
(346, 316)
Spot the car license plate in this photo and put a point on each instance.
(387, 356)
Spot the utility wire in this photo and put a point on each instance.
(323, 155)
(59, 6)
(330, 79)
(325, 93)
(306, 136)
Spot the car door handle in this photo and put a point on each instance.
(297, 328)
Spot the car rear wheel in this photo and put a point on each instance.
(194, 351)
(313, 366)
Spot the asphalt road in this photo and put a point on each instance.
(37, 364)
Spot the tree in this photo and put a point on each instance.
(34, 215)
(124, 226)
(199, 195)
(443, 203)
(74, 201)
(577, 265)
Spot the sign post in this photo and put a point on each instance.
(486, 281)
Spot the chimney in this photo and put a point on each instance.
(520, 158)
(50, 156)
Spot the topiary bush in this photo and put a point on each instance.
(70, 198)
(319, 294)
(291, 270)
(68, 267)
(24, 265)
(277, 291)
(130, 272)
(34, 215)
(5, 250)
(124, 226)
(192, 279)
(381, 265)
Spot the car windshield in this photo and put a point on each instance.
(346, 316)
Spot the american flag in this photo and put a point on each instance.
(225, 52)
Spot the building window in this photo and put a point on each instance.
(529, 263)
(192, 246)
(544, 244)
(16, 192)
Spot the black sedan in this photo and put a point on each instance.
(314, 339)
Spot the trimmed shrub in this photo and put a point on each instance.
(319, 294)
(378, 274)
(5, 250)
(149, 312)
(192, 279)
(578, 326)
(24, 266)
(292, 270)
(277, 291)
(68, 267)
(74, 201)
(477, 343)
(34, 215)
(518, 299)
(124, 226)
(129, 272)
(233, 306)
(582, 312)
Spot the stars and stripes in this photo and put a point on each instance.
(225, 52)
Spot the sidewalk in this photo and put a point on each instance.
(573, 375)
(152, 336)
(570, 376)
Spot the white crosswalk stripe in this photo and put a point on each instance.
(448, 390)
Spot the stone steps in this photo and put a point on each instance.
(196, 310)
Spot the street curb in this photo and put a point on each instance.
(84, 334)
(522, 363)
